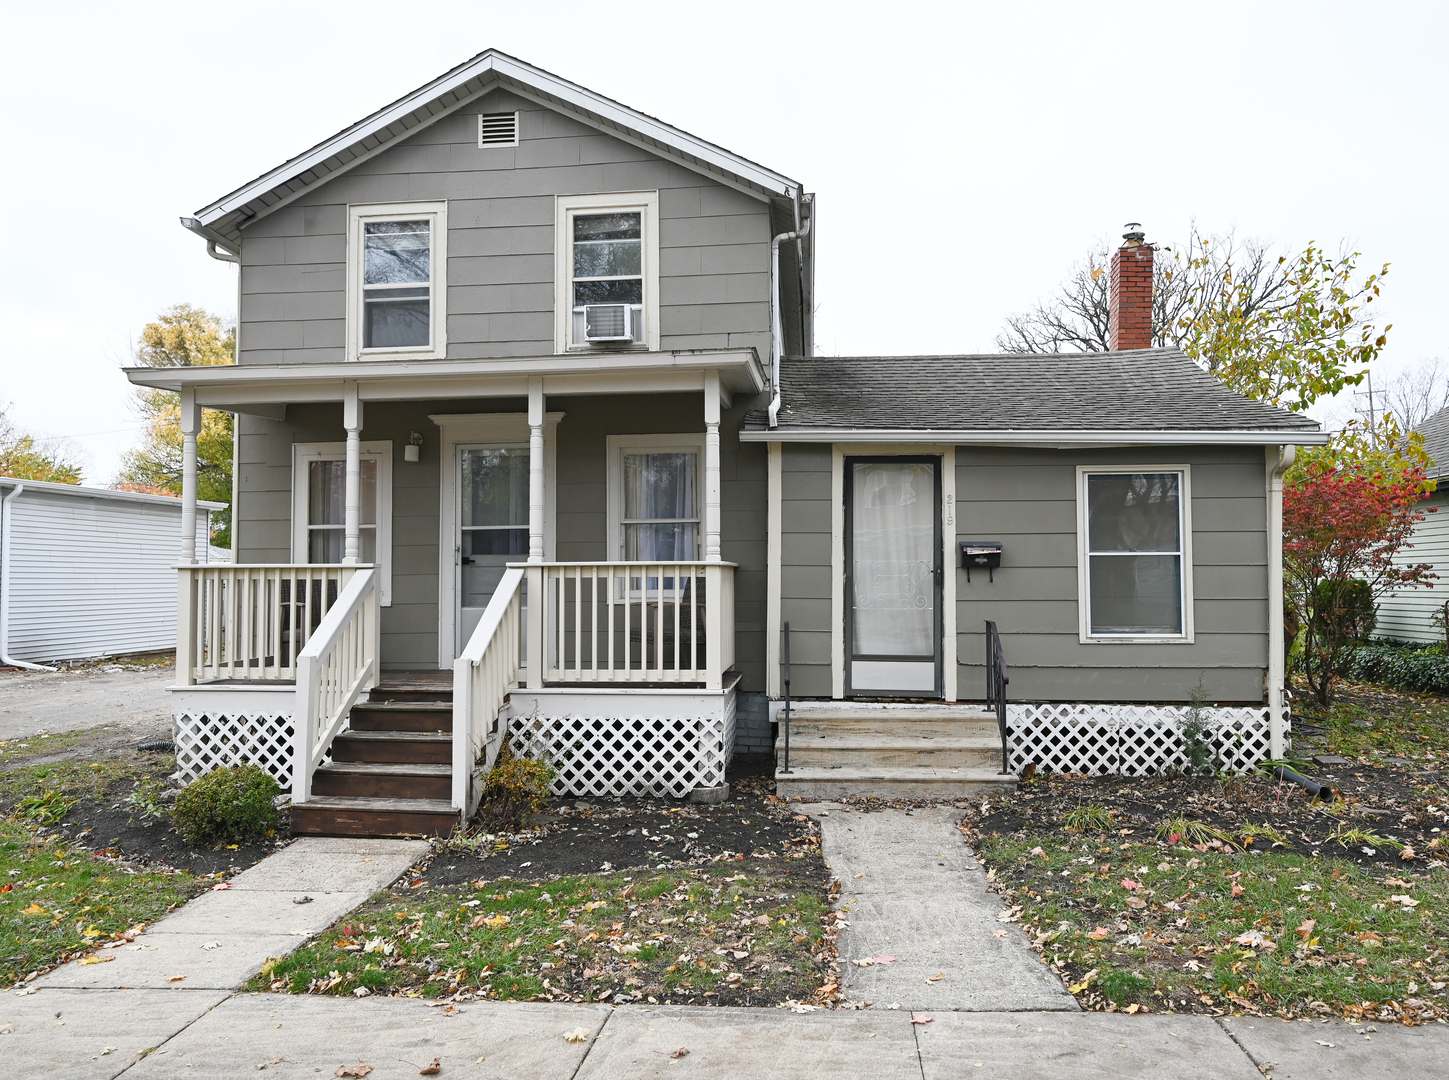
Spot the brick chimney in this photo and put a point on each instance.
(1129, 324)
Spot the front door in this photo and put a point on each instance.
(492, 527)
(893, 564)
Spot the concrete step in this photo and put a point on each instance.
(384, 780)
(402, 716)
(393, 747)
(823, 782)
(892, 751)
(905, 730)
(941, 721)
(331, 815)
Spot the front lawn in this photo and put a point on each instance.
(713, 934)
(58, 902)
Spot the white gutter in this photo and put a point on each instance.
(1053, 437)
(5, 514)
(1278, 463)
(777, 324)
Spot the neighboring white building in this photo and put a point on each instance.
(1408, 615)
(88, 572)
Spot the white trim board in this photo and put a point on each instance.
(482, 429)
(774, 539)
(381, 450)
(1052, 438)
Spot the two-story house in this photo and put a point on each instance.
(532, 444)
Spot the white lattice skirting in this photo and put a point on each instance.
(653, 755)
(205, 741)
(1129, 740)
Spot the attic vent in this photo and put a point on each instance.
(497, 129)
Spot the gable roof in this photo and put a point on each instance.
(1156, 395)
(223, 219)
(1436, 442)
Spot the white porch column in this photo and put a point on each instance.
(190, 426)
(352, 512)
(711, 467)
(536, 494)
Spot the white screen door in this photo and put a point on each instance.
(492, 526)
(894, 563)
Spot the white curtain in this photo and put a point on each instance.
(660, 512)
(893, 536)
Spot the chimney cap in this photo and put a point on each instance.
(1134, 234)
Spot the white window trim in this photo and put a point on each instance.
(1083, 569)
(361, 214)
(644, 202)
(494, 431)
(381, 450)
(686, 442)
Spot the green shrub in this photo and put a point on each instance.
(232, 805)
(1421, 672)
(513, 789)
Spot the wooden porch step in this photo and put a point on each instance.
(393, 747)
(384, 780)
(823, 782)
(433, 686)
(871, 750)
(402, 716)
(330, 815)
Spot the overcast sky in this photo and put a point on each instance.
(963, 154)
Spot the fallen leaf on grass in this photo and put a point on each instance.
(1237, 889)
(98, 959)
(1130, 885)
(577, 1035)
(1402, 883)
(1133, 1009)
(353, 1070)
(1407, 901)
(1306, 927)
(491, 921)
(1255, 939)
(432, 1068)
(1099, 934)
(34, 909)
(1136, 902)
(1407, 853)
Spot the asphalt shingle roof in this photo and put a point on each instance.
(1436, 442)
(1136, 390)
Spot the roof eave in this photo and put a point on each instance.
(1058, 438)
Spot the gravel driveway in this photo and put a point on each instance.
(32, 701)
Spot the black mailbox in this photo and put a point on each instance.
(981, 555)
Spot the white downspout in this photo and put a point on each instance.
(777, 325)
(5, 514)
(1278, 463)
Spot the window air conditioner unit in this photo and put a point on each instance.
(608, 322)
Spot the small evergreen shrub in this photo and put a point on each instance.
(1420, 671)
(1197, 737)
(232, 805)
(513, 789)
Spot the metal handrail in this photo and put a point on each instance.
(997, 678)
(787, 697)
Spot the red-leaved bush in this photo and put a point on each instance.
(1341, 527)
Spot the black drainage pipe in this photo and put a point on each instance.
(1316, 790)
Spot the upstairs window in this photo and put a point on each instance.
(1134, 542)
(396, 281)
(609, 269)
(607, 276)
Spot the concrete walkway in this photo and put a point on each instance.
(912, 889)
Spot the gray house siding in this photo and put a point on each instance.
(1027, 499)
(714, 241)
(805, 564)
(410, 624)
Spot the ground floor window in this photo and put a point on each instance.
(319, 507)
(1133, 539)
(654, 497)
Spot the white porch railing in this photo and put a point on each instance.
(250, 622)
(482, 679)
(336, 665)
(630, 622)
